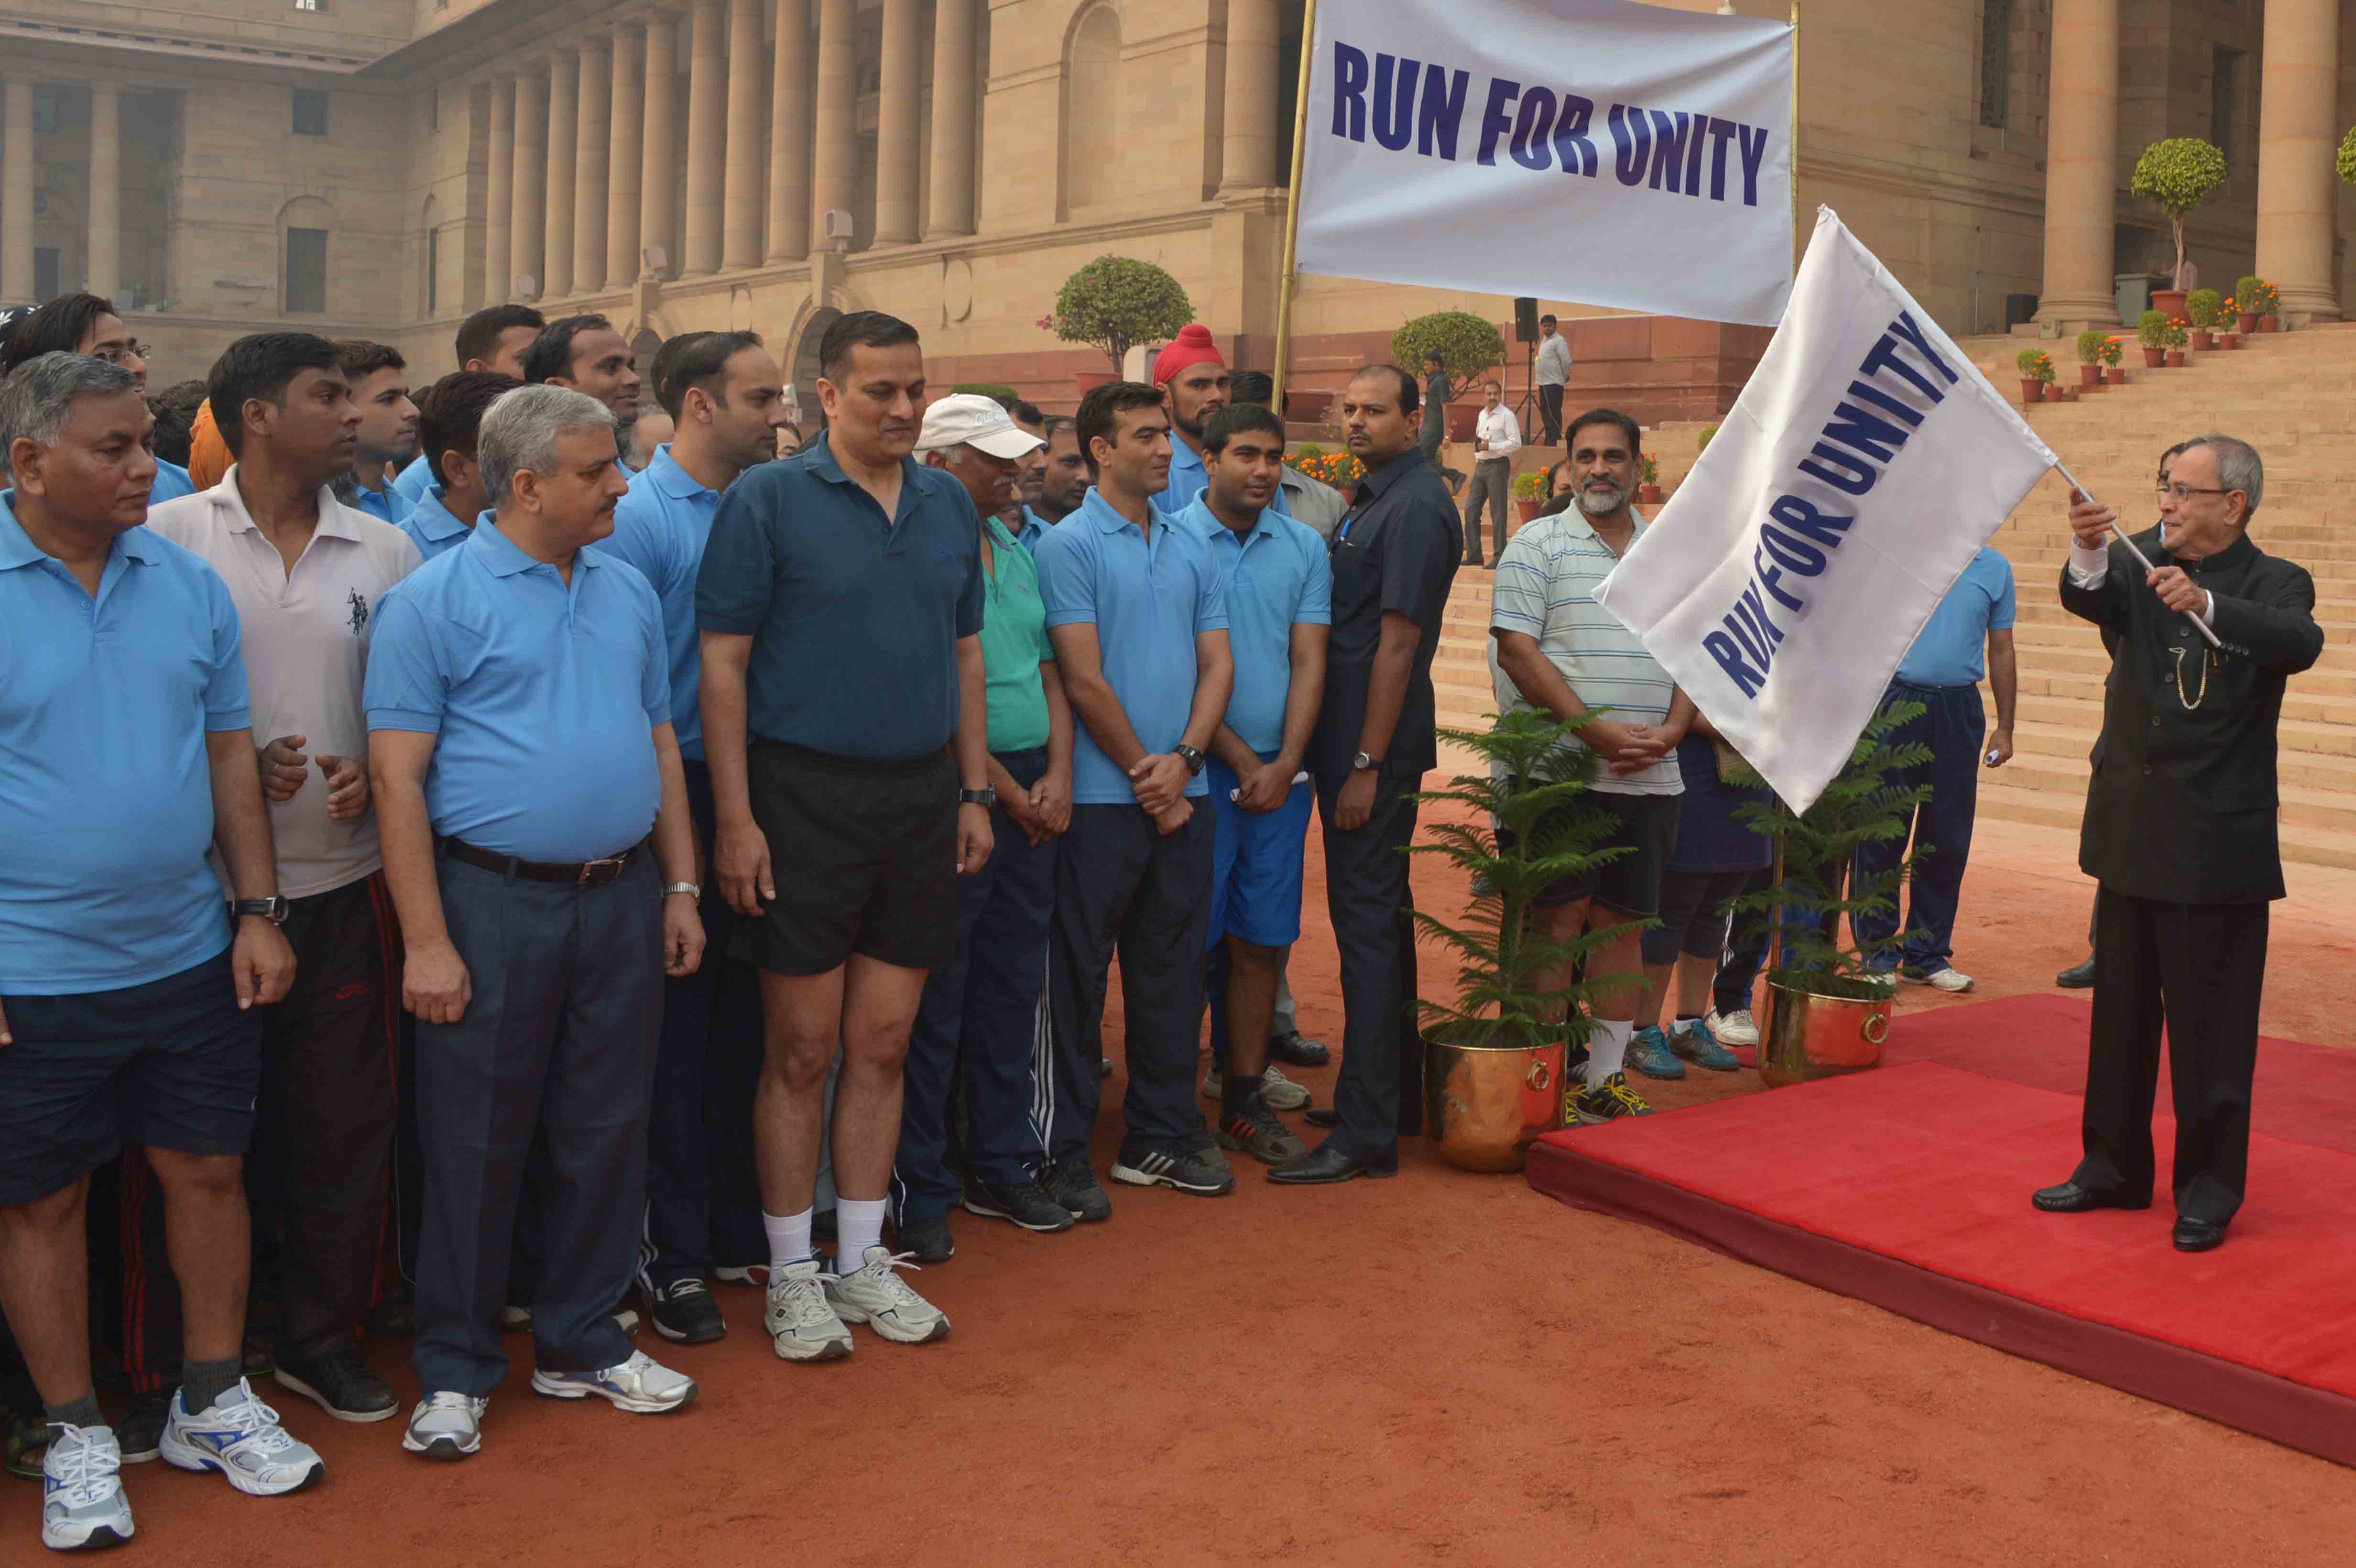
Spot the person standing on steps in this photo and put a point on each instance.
(2181, 828)
(1438, 393)
(1497, 435)
(1551, 371)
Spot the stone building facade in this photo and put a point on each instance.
(381, 167)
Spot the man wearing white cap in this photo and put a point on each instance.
(975, 1022)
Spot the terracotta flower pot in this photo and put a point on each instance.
(2032, 390)
(2115, 374)
(2246, 321)
(2203, 340)
(2176, 358)
(2269, 323)
(2052, 391)
(2167, 302)
(2229, 341)
(2153, 358)
(1527, 511)
(2090, 375)
(1648, 495)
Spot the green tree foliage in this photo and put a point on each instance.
(2178, 175)
(1466, 345)
(2347, 160)
(2205, 307)
(1117, 304)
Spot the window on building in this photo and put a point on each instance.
(1996, 63)
(44, 112)
(2224, 100)
(307, 272)
(46, 283)
(310, 112)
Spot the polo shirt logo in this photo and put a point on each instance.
(360, 616)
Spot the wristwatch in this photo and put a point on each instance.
(690, 889)
(1362, 764)
(1188, 755)
(985, 797)
(272, 909)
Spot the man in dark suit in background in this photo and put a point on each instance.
(2179, 829)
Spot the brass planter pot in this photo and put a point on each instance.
(1807, 1035)
(1485, 1105)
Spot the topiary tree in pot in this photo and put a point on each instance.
(1468, 346)
(2178, 175)
(1115, 304)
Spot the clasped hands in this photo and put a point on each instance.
(1627, 748)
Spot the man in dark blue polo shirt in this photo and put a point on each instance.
(726, 398)
(1138, 621)
(841, 604)
(125, 1000)
(520, 746)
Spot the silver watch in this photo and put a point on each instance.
(1362, 764)
(690, 889)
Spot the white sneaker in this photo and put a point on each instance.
(1737, 1027)
(877, 1297)
(83, 1502)
(640, 1385)
(446, 1425)
(801, 1321)
(1281, 1092)
(1950, 979)
(241, 1437)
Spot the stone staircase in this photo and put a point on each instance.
(2289, 395)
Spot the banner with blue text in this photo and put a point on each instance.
(1596, 151)
(1865, 465)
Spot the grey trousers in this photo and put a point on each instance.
(1492, 480)
(559, 1038)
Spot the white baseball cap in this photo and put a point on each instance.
(969, 419)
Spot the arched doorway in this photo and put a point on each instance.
(805, 371)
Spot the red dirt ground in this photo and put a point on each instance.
(1445, 1367)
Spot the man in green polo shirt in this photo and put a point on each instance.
(975, 1023)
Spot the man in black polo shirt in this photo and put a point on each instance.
(1395, 556)
(841, 606)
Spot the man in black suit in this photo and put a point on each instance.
(2179, 829)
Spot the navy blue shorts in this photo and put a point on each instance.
(170, 1064)
(1256, 864)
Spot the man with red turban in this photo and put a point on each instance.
(1192, 377)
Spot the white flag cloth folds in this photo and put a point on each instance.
(1862, 468)
(1596, 151)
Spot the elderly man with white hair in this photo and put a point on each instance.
(528, 787)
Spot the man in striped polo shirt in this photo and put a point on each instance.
(1554, 649)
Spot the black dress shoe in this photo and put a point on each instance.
(2198, 1235)
(1322, 1116)
(2078, 978)
(1324, 1166)
(2069, 1198)
(1297, 1049)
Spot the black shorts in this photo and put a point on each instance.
(171, 1065)
(864, 854)
(1629, 883)
(1693, 915)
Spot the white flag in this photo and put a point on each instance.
(1862, 468)
(1596, 151)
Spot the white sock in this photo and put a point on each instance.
(1607, 1049)
(858, 1225)
(789, 1238)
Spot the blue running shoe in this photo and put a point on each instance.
(1693, 1041)
(1649, 1055)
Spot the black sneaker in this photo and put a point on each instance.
(1070, 1182)
(684, 1313)
(928, 1238)
(1254, 1131)
(338, 1385)
(1298, 1050)
(140, 1433)
(1030, 1205)
(1177, 1164)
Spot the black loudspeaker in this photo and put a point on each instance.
(1526, 320)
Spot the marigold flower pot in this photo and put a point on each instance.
(2176, 358)
(2115, 374)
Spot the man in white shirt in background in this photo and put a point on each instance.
(1496, 436)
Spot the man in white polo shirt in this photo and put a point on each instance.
(306, 573)
(1554, 649)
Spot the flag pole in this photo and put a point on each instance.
(2141, 559)
(1292, 210)
(1794, 145)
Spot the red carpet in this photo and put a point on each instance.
(1909, 1187)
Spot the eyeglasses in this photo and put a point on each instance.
(2182, 493)
(115, 354)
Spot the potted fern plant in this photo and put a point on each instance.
(1827, 1005)
(1496, 1056)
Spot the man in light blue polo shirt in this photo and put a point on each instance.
(519, 709)
(494, 338)
(1279, 588)
(447, 420)
(1138, 619)
(379, 378)
(726, 398)
(126, 989)
(86, 324)
(1968, 638)
(1063, 481)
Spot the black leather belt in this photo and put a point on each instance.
(579, 873)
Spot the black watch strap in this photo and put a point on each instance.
(986, 795)
(272, 909)
(1191, 757)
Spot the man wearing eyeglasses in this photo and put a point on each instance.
(2179, 829)
(88, 325)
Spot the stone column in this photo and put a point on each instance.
(591, 175)
(898, 107)
(499, 198)
(707, 132)
(105, 189)
(628, 131)
(564, 168)
(659, 170)
(834, 176)
(2298, 136)
(527, 241)
(950, 211)
(789, 134)
(1248, 137)
(740, 228)
(16, 188)
(2082, 166)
